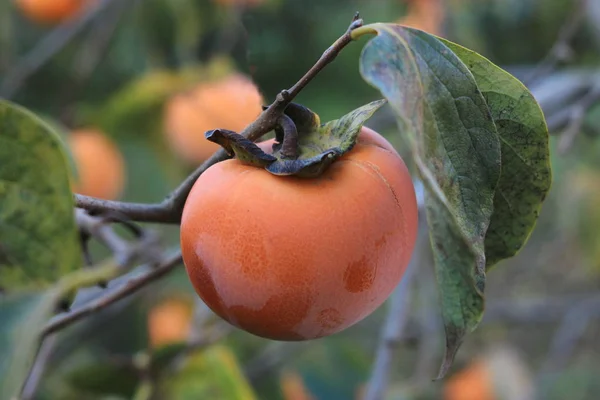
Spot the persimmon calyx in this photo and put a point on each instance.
(303, 146)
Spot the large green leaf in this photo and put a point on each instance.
(457, 152)
(22, 317)
(526, 174)
(38, 235)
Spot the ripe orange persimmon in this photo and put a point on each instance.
(472, 383)
(228, 103)
(293, 387)
(426, 15)
(50, 11)
(288, 258)
(100, 165)
(169, 322)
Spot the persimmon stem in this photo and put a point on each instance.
(289, 142)
(169, 211)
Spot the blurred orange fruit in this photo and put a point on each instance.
(472, 383)
(426, 15)
(170, 322)
(50, 11)
(99, 163)
(229, 103)
(293, 387)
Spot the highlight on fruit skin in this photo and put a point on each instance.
(99, 163)
(475, 382)
(169, 322)
(51, 11)
(230, 103)
(291, 259)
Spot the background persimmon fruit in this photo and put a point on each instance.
(294, 259)
(99, 163)
(293, 386)
(169, 322)
(472, 383)
(231, 103)
(50, 11)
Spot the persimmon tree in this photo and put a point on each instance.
(478, 141)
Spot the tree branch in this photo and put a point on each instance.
(575, 116)
(391, 335)
(127, 289)
(398, 312)
(169, 211)
(38, 369)
(561, 48)
(46, 48)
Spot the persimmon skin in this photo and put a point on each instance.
(50, 11)
(291, 259)
(100, 164)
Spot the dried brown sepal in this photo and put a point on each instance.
(303, 147)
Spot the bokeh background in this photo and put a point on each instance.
(115, 66)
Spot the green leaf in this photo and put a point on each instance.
(213, 373)
(526, 175)
(22, 317)
(166, 354)
(38, 235)
(456, 149)
(103, 376)
(318, 145)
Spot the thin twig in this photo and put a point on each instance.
(103, 232)
(576, 116)
(170, 210)
(124, 251)
(568, 334)
(271, 356)
(562, 46)
(127, 289)
(134, 211)
(91, 54)
(428, 320)
(39, 367)
(46, 48)
(392, 332)
(396, 321)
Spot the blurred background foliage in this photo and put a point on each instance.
(118, 72)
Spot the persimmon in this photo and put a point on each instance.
(291, 258)
(50, 11)
(99, 163)
(231, 103)
(472, 383)
(426, 15)
(293, 387)
(169, 322)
